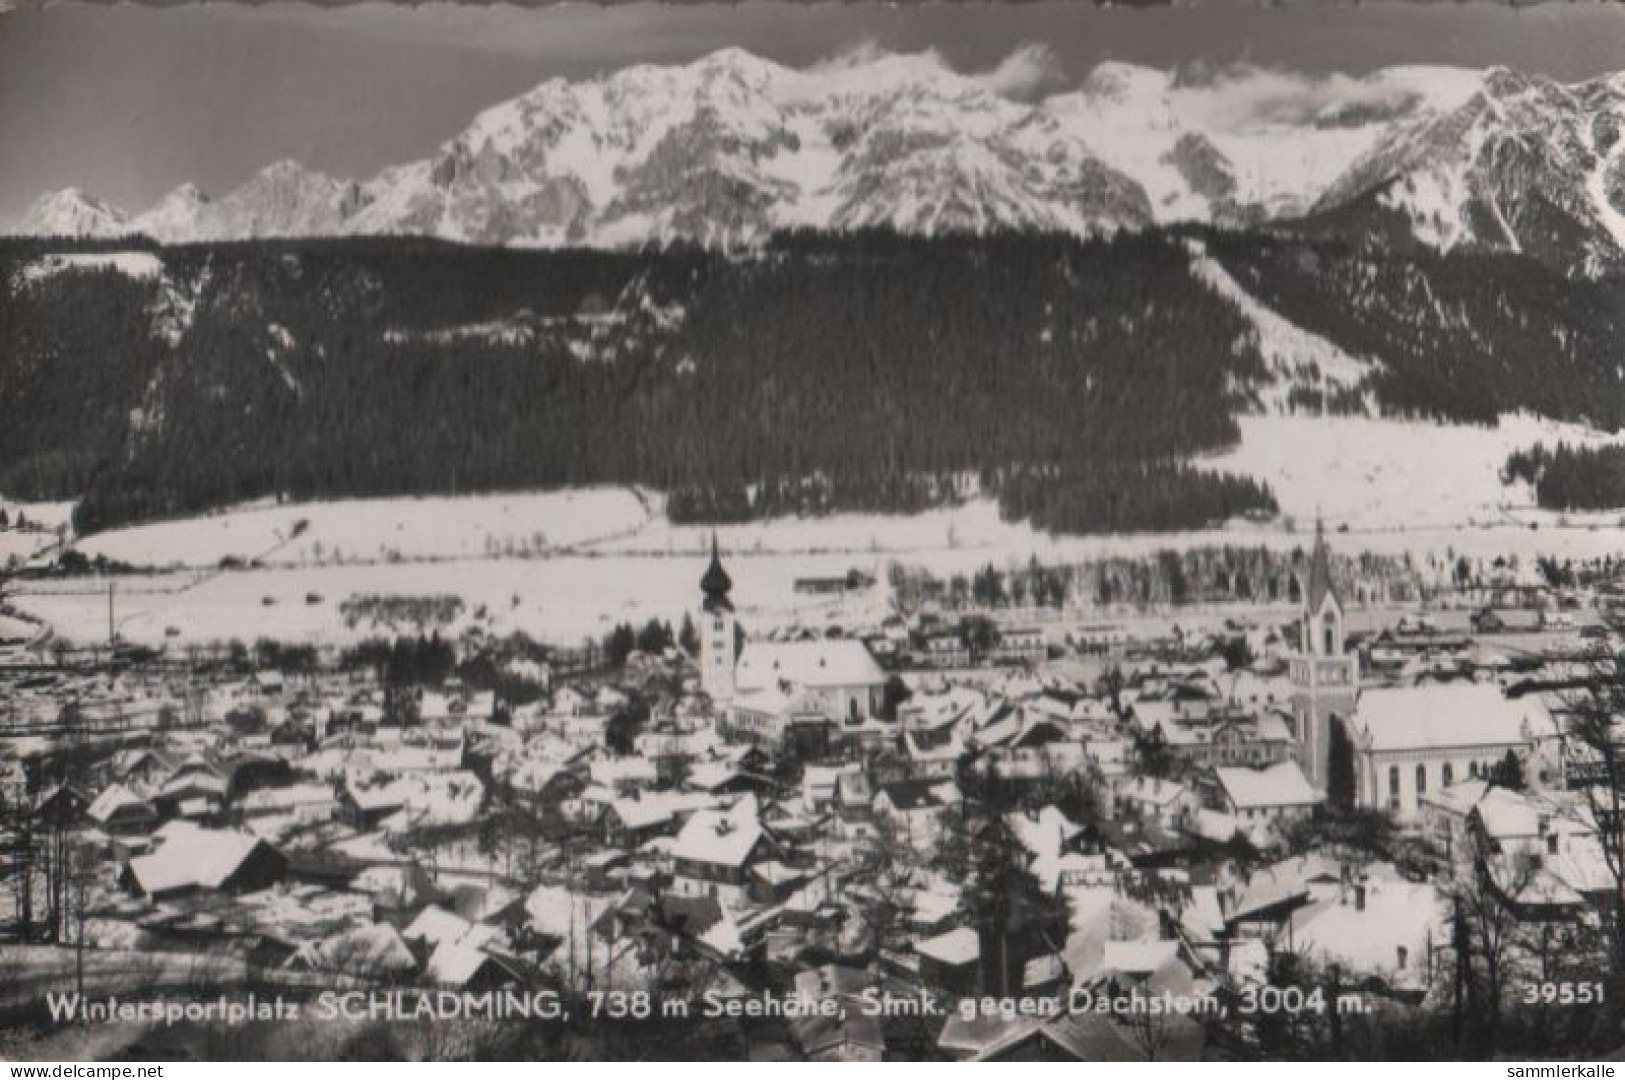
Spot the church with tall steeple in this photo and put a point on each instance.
(1325, 675)
(773, 686)
(716, 630)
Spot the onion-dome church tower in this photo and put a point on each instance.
(716, 630)
(1325, 675)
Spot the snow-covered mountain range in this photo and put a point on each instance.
(731, 147)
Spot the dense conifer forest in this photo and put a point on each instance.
(1572, 477)
(1075, 380)
(1457, 337)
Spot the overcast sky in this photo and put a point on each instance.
(128, 101)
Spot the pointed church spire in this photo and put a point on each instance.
(1320, 571)
(716, 584)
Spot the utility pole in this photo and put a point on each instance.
(112, 631)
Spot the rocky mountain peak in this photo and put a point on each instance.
(732, 146)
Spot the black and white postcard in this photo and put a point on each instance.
(785, 532)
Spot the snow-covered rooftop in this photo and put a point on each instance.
(822, 663)
(1446, 715)
(1282, 784)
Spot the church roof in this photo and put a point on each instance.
(715, 583)
(1320, 573)
(826, 662)
(1472, 716)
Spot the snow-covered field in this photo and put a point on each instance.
(1374, 474)
(654, 572)
(379, 530)
(1371, 475)
(560, 599)
(1367, 472)
(20, 545)
(562, 566)
(49, 515)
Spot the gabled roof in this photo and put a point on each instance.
(822, 663)
(1507, 815)
(1282, 784)
(1437, 715)
(652, 808)
(125, 761)
(193, 857)
(1282, 882)
(68, 794)
(111, 801)
(834, 1033)
(440, 927)
(1367, 940)
(1087, 1035)
(370, 950)
(710, 775)
(722, 838)
(622, 770)
(457, 964)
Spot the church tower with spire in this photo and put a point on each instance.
(1325, 675)
(716, 630)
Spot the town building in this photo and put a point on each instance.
(836, 677)
(1325, 675)
(1263, 801)
(715, 851)
(717, 628)
(1412, 740)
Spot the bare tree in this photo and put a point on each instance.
(54, 852)
(20, 851)
(1487, 895)
(82, 872)
(1589, 721)
(1148, 1027)
(887, 865)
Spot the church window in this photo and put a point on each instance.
(1421, 782)
(1393, 787)
(1329, 629)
